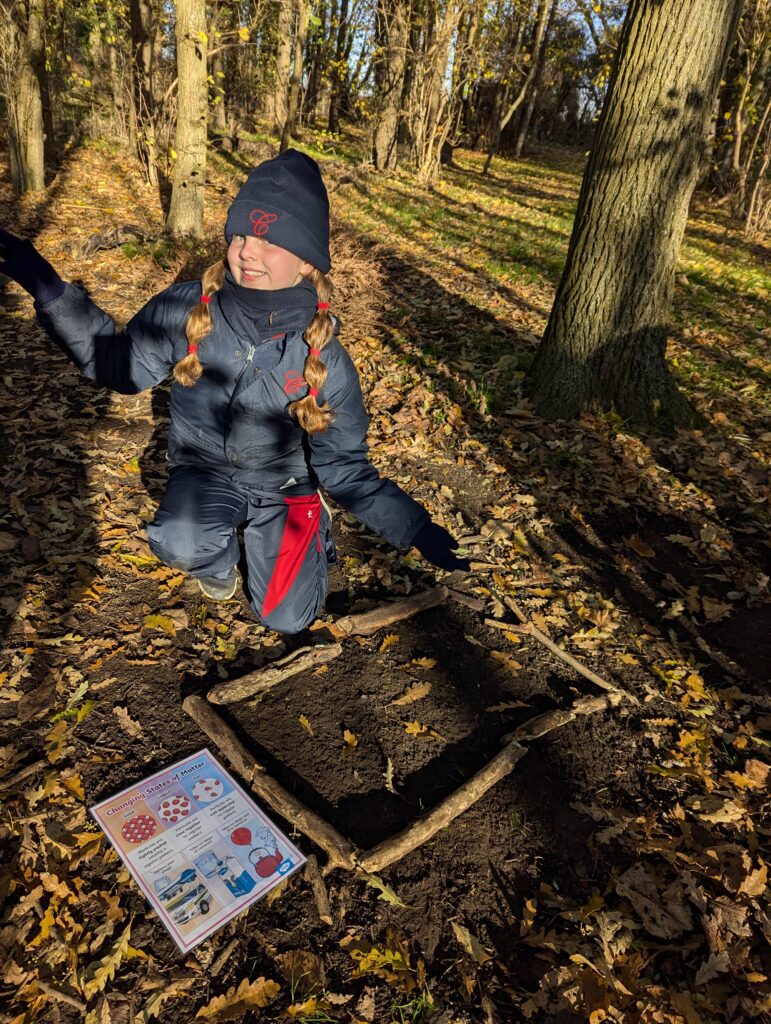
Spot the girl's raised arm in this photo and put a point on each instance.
(127, 361)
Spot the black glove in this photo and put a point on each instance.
(20, 260)
(436, 545)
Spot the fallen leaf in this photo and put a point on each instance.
(507, 705)
(637, 544)
(351, 740)
(129, 725)
(505, 659)
(306, 725)
(718, 963)
(470, 943)
(418, 729)
(162, 622)
(415, 691)
(388, 775)
(385, 892)
(389, 641)
(249, 995)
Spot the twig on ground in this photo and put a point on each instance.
(542, 638)
(476, 604)
(420, 831)
(340, 852)
(223, 958)
(24, 773)
(370, 622)
(62, 997)
(319, 890)
(270, 675)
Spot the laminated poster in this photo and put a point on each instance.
(197, 845)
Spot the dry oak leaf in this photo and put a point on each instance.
(662, 913)
(250, 995)
(470, 943)
(351, 740)
(418, 729)
(510, 663)
(756, 881)
(389, 641)
(415, 691)
(303, 720)
(303, 970)
(638, 545)
(127, 723)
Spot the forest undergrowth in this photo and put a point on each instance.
(619, 873)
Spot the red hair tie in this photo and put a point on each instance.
(312, 392)
(206, 298)
(315, 351)
(322, 305)
(192, 347)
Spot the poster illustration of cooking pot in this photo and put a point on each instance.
(197, 845)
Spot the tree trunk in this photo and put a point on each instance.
(295, 86)
(393, 29)
(604, 345)
(527, 114)
(535, 56)
(24, 96)
(219, 95)
(143, 93)
(338, 71)
(283, 65)
(187, 196)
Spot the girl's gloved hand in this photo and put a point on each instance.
(437, 546)
(20, 260)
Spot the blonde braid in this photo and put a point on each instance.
(198, 326)
(312, 417)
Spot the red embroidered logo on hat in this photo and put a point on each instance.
(294, 382)
(261, 221)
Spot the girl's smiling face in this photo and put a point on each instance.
(256, 263)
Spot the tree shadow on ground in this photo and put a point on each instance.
(582, 477)
(49, 415)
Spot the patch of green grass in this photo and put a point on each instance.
(415, 1011)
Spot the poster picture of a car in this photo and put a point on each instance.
(185, 897)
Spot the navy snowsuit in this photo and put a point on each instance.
(236, 455)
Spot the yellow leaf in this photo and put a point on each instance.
(351, 740)
(426, 663)
(250, 995)
(637, 544)
(203, 37)
(415, 691)
(306, 725)
(162, 622)
(98, 974)
(628, 659)
(418, 729)
(243, 34)
(528, 917)
(389, 641)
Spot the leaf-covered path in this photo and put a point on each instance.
(619, 872)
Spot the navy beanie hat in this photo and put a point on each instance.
(285, 202)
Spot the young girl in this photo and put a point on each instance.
(266, 405)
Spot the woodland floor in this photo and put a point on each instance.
(619, 872)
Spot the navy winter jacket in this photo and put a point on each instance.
(235, 417)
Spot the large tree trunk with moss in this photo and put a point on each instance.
(23, 73)
(393, 28)
(187, 196)
(604, 345)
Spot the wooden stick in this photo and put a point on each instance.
(470, 792)
(319, 890)
(370, 622)
(542, 638)
(476, 604)
(340, 852)
(63, 997)
(222, 958)
(262, 679)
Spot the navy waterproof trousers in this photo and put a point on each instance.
(287, 541)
